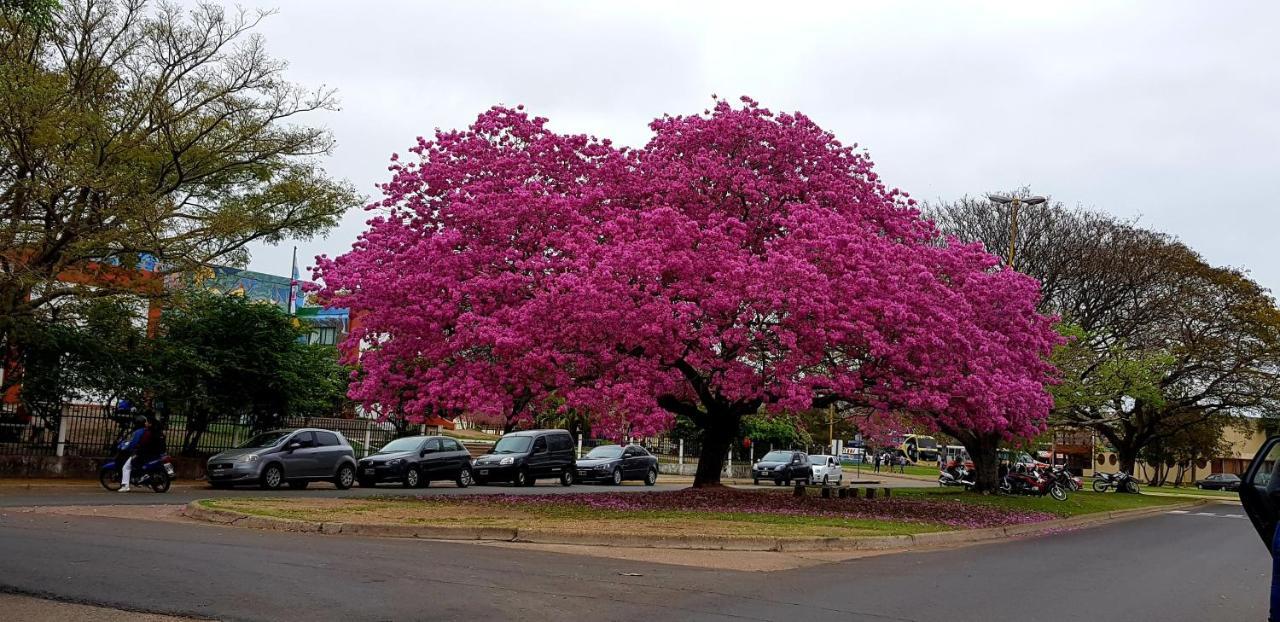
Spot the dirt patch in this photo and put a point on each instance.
(17, 607)
(131, 512)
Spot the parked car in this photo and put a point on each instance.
(523, 458)
(615, 464)
(295, 457)
(1220, 481)
(826, 469)
(782, 467)
(416, 461)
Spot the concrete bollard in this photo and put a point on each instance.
(886, 492)
(871, 493)
(843, 493)
(826, 492)
(799, 492)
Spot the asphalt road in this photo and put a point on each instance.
(1168, 568)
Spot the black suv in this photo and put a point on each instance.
(417, 461)
(524, 457)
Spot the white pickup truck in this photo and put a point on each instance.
(826, 469)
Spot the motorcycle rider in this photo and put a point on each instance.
(139, 445)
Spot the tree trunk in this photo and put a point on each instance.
(984, 451)
(717, 436)
(1128, 459)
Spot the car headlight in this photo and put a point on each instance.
(602, 467)
(395, 462)
(507, 460)
(249, 458)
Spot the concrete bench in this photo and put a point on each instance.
(843, 492)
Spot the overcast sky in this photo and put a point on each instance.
(1167, 110)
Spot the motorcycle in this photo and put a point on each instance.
(156, 474)
(1102, 482)
(958, 476)
(1069, 482)
(1030, 483)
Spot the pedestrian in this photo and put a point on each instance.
(876, 461)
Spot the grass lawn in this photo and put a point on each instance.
(717, 512)
(1190, 491)
(1080, 502)
(568, 518)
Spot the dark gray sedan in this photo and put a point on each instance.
(1220, 481)
(614, 464)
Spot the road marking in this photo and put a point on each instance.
(1209, 514)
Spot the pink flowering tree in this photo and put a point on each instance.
(740, 260)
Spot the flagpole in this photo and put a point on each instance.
(293, 284)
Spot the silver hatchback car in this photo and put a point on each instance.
(295, 457)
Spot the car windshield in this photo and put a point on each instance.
(606, 451)
(512, 445)
(777, 456)
(266, 439)
(401, 444)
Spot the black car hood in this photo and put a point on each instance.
(590, 462)
(381, 457)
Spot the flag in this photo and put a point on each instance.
(293, 284)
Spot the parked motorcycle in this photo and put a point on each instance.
(1032, 484)
(1102, 482)
(156, 474)
(1069, 482)
(958, 476)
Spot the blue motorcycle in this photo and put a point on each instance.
(156, 474)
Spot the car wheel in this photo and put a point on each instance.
(566, 478)
(272, 477)
(412, 478)
(464, 477)
(617, 477)
(299, 485)
(1200, 486)
(651, 477)
(824, 479)
(521, 479)
(787, 482)
(345, 478)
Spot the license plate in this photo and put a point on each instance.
(484, 471)
(168, 468)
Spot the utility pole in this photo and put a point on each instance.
(1014, 203)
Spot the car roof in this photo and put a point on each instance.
(534, 432)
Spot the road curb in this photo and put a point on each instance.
(675, 541)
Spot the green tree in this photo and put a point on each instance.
(130, 133)
(1162, 343)
(226, 357)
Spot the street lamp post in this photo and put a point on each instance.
(1014, 203)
